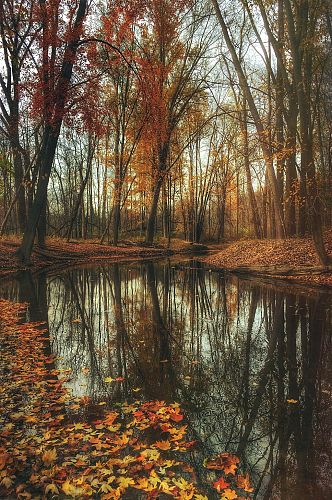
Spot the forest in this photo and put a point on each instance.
(140, 120)
(165, 249)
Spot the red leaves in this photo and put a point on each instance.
(176, 417)
(88, 459)
(220, 484)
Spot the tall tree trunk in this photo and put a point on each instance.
(262, 135)
(39, 202)
(117, 214)
(252, 198)
(151, 224)
(19, 178)
(51, 136)
(291, 175)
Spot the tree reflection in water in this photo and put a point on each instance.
(249, 362)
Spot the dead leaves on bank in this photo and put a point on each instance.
(49, 448)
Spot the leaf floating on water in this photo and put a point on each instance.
(135, 446)
(229, 494)
(220, 484)
(224, 461)
(163, 445)
(243, 482)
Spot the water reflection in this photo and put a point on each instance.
(250, 363)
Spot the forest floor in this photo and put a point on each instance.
(53, 444)
(293, 259)
(58, 252)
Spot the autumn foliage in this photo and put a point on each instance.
(52, 444)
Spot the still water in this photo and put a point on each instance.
(250, 363)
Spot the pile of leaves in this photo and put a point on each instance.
(53, 446)
(276, 255)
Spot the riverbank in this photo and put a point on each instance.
(59, 252)
(291, 259)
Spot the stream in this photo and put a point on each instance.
(249, 361)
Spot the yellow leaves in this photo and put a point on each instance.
(229, 494)
(143, 484)
(150, 454)
(101, 458)
(124, 482)
(49, 456)
(182, 484)
(7, 482)
(292, 401)
(71, 490)
(109, 380)
(105, 488)
(51, 488)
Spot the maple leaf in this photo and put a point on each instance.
(163, 445)
(71, 490)
(244, 483)
(109, 380)
(150, 454)
(176, 417)
(223, 461)
(49, 456)
(124, 482)
(143, 484)
(220, 484)
(105, 488)
(229, 494)
(110, 417)
(7, 482)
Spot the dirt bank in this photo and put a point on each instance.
(59, 253)
(292, 259)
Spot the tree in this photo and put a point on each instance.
(55, 89)
(17, 35)
(170, 79)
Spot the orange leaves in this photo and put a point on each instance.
(176, 416)
(225, 462)
(134, 448)
(163, 445)
(243, 482)
(49, 456)
(220, 484)
(229, 494)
